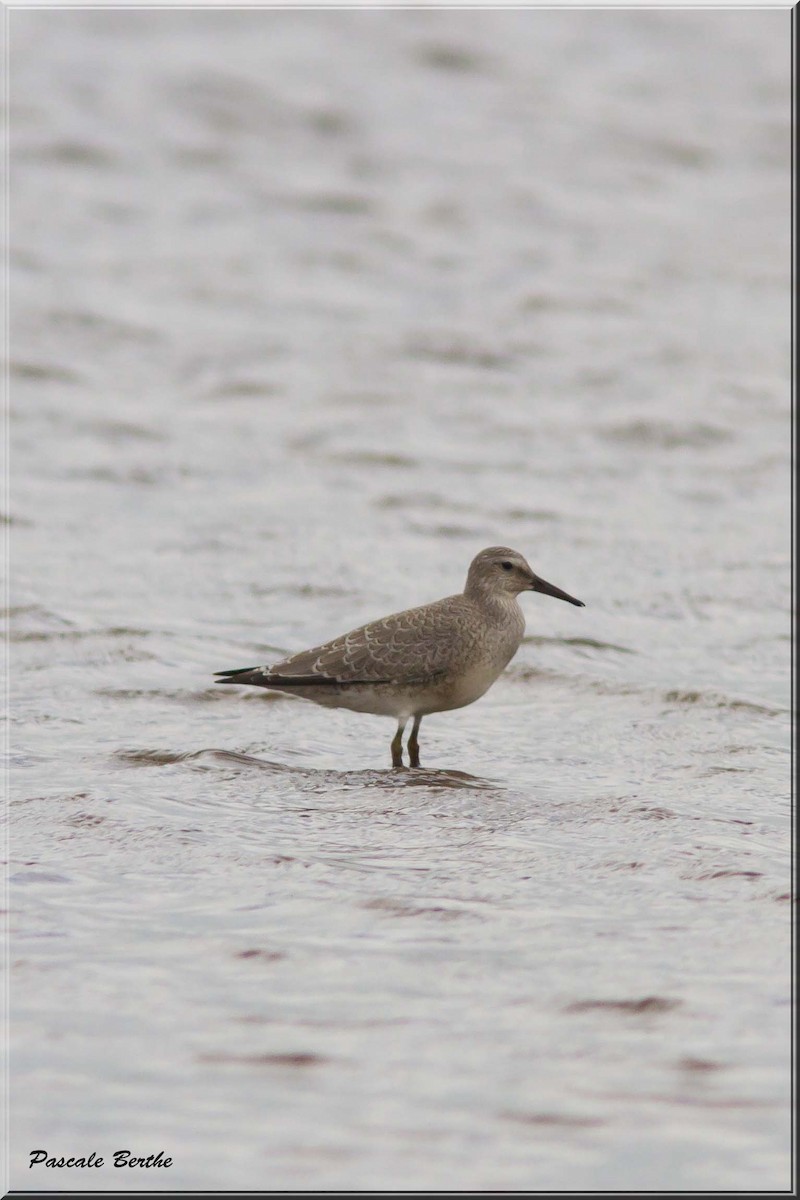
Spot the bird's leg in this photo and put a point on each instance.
(413, 744)
(397, 745)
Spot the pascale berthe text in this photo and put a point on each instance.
(122, 1158)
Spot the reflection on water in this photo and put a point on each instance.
(328, 302)
(428, 778)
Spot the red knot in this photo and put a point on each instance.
(424, 660)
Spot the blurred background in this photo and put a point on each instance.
(307, 307)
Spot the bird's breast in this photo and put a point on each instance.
(471, 684)
(480, 669)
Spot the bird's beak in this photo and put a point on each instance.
(550, 589)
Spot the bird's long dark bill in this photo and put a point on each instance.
(550, 589)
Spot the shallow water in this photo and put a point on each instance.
(308, 307)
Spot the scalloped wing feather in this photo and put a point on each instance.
(407, 647)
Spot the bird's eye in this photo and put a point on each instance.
(507, 566)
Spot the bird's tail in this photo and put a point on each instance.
(263, 677)
(255, 675)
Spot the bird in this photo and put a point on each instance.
(431, 659)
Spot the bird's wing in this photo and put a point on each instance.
(410, 647)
